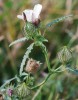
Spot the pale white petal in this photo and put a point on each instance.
(20, 17)
(28, 14)
(37, 10)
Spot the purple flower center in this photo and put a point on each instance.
(10, 92)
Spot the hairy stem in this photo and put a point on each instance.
(41, 82)
(46, 57)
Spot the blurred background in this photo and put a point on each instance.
(59, 87)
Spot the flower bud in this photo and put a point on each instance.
(32, 66)
(22, 91)
(64, 55)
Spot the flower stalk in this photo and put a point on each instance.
(46, 58)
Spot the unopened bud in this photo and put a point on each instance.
(32, 66)
(64, 55)
(22, 91)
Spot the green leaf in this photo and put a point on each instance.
(19, 40)
(41, 38)
(57, 20)
(25, 57)
(73, 71)
(24, 74)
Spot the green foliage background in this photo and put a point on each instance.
(63, 86)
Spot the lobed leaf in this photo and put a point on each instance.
(19, 40)
(73, 71)
(25, 57)
(57, 20)
(41, 38)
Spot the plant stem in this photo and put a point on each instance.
(46, 56)
(47, 60)
(71, 42)
(41, 82)
(37, 93)
(50, 73)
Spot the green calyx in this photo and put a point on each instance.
(31, 30)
